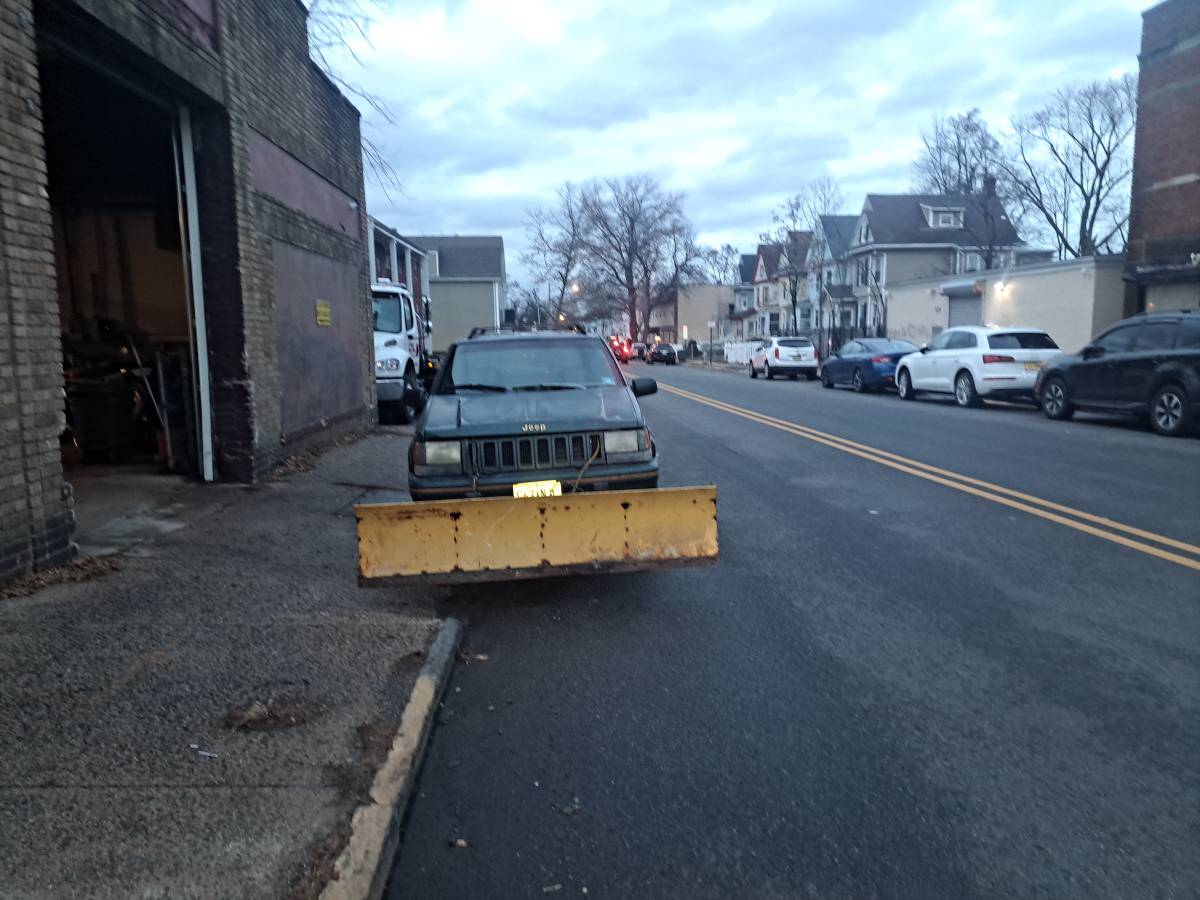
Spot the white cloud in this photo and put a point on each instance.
(497, 102)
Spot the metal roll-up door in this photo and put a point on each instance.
(966, 311)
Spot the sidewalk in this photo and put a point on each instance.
(202, 722)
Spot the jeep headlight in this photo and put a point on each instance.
(620, 442)
(439, 453)
(626, 446)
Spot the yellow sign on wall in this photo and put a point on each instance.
(324, 313)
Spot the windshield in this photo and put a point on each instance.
(796, 342)
(1022, 340)
(385, 311)
(541, 363)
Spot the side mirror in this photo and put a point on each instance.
(1091, 351)
(644, 386)
(924, 348)
(428, 327)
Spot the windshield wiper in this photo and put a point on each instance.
(550, 386)
(498, 388)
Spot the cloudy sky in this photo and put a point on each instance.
(496, 102)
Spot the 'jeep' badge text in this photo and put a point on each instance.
(530, 426)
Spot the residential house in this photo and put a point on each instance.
(686, 316)
(830, 295)
(781, 287)
(466, 277)
(1163, 267)
(902, 237)
(743, 311)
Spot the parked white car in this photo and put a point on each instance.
(791, 356)
(973, 363)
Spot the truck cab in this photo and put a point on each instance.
(400, 336)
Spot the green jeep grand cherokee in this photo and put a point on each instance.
(531, 414)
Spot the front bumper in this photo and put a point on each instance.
(500, 484)
(389, 390)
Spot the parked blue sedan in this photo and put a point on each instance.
(865, 363)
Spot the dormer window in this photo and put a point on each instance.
(945, 220)
(864, 233)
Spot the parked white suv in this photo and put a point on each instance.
(972, 363)
(791, 356)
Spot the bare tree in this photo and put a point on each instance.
(556, 249)
(639, 245)
(1072, 162)
(958, 153)
(720, 265)
(961, 156)
(332, 27)
(795, 222)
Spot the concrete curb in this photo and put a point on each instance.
(361, 871)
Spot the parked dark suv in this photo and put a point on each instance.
(1148, 365)
(531, 415)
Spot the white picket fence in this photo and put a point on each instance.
(739, 351)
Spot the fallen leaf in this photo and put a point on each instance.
(551, 888)
(460, 844)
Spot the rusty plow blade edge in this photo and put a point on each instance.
(501, 538)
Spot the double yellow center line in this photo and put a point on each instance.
(1106, 529)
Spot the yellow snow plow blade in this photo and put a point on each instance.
(495, 539)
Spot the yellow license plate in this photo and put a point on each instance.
(1032, 366)
(538, 489)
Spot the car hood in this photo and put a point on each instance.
(479, 414)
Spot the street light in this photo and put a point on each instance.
(575, 288)
(562, 317)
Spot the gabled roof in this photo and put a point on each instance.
(746, 268)
(769, 254)
(797, 249)
(838, 230)
(899, 219)
(466, 256)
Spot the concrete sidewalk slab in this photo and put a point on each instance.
(135, 760)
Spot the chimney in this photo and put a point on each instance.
(989, 185)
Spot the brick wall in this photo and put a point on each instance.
(272, 88)
(36, 519)
(1165, 219)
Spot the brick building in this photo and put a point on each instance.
(183, 266)
(1163, 268)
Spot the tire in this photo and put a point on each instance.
(767, 373)
(904, 386)
(826, 381)
(753, 371)
(409, 408)
(1054, 401)
(964, 390)
(1169, 413)
(856, 382)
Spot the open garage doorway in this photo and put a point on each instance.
(134, 431)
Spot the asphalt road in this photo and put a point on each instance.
(893, 684)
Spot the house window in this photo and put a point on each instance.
(945, 220)
(864, 233)
(774, 323)
(972, 262)
(861, 270)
